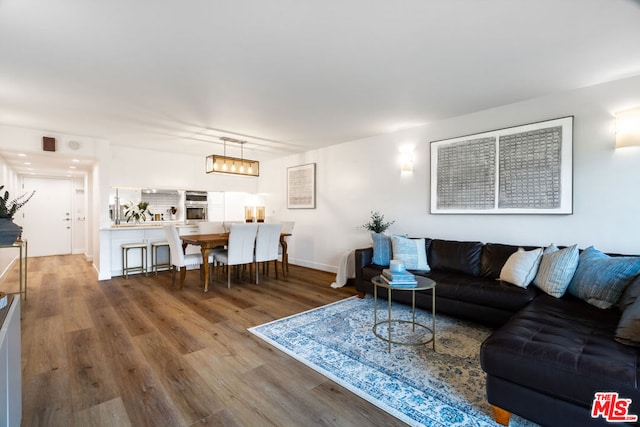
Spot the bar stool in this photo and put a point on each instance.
(154, 256)
(126, 247)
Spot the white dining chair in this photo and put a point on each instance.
(242, 238)
(211, 227)
(179, 260)
(287, 228)
(227, 225)
(267, 244)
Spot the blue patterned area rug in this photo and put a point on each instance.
(415, 384)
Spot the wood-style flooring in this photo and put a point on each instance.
(136, 353)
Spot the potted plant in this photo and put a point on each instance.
(381, 242)
(136, 211)
(10, 231)
(377, 224)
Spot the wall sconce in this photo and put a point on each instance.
(232, 165)
(406, 168)
(628, 128)
(406, 162)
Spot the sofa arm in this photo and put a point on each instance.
(364, 257)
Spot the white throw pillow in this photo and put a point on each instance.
(521, 267)
(411, 251)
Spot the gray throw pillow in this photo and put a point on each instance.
(628, 330)
(630, 294)
(556, 270)
(600, 279)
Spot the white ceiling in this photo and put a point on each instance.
(290, 75)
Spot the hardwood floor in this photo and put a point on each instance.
(135, 353)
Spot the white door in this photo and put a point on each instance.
(47, 216)
(78, 222)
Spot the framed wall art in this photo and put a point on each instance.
(519, 170)
(301, 187)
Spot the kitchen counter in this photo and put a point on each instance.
(113, 237)
(146, 225)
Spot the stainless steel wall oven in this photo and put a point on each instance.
(195, 206)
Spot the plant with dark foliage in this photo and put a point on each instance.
(377, 224)
(9, 208)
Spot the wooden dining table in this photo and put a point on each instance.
(210, 241)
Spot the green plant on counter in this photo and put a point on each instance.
(136, 211)
(9, 208)
(377, 224)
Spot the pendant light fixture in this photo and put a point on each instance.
(232, 165)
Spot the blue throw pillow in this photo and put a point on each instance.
(410, 251)
(381, 249)
(600, 279)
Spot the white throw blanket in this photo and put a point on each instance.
(346, 268)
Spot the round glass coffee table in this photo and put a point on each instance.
(423, 285)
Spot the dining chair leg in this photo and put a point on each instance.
(228, 277)
(211, 270)
(257, 272)
(183, 275)
(275, 267)
(173, 276)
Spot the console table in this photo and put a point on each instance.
(22, 246)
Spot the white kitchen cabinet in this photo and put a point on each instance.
(10, 365)
(112, 238)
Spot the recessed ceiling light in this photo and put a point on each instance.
(22, 155)
(72, 167)
(75, 161)
(27, 163)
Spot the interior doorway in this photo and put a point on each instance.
(47, 218)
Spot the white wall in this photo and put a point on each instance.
(360, 176)
(134, 167)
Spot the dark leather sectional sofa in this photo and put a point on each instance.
(548, 356)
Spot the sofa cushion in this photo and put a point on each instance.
(556, 270)
(381, 249)
(600, 279)
(521, 267)
(461, 257)
(564, 348)
(411, 251)
(481, 290)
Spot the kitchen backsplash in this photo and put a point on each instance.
(160, 203)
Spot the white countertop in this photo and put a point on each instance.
(146, 225)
